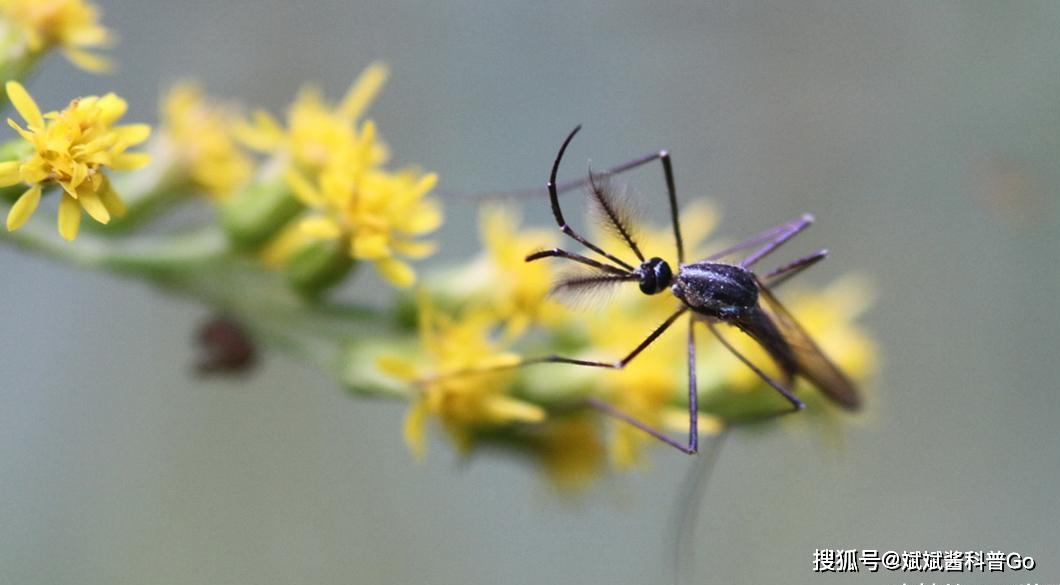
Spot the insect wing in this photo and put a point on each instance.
(813, 364)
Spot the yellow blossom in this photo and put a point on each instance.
(317, 134)
(570, 450)
(201, 136)
(518, 290)
(375, 213)
(463, 379)
(72, 25)
(71, 148)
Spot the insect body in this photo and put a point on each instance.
(711, 290)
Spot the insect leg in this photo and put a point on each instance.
(795, 402)
(692, 447)
(555, 359)
(779, 275)
(783, 232)
(794, 228)
(557, 213)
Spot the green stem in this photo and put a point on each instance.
(202, 267)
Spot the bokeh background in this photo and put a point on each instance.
(924, 137)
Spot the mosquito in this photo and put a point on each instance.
(711, 291)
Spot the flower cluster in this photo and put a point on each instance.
(336, 167)
(71, 25)
(71, 148)
(200, 135)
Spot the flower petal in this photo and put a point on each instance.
(323, 228)
(112, 201)
(131, 134)
(89, 61)
(505, 409)
(363, 91)
(9, 173)
(263, 133)
(91, 203)
(130, 161)
(414, 249)
(23, 208)
(25, 105)
(69, 217)
(369, 246)
(397, 367)
(396, 272)
(303, 189)
(426, 219)
(414, 429)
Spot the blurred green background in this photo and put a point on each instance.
(924, 137)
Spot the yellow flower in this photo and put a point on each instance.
(456, 384)
(376, 214)
(570, 450)
(318, 135)
(72, 25)
(518, 290)
(200, 134)
(71, 148)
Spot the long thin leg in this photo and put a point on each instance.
(612, 411)
(693, 390)
(558, 213)
(795, 402)
(558, 253)
(557, 359)
(779, 275)
(693, 405)
(796, 225)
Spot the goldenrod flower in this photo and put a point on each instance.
(459, 384)
(376, 214)
(200, 134)
(569, 450)
(518, 290)
(72, 25)
(71, 148)
(317, 134)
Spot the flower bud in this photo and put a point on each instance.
(252, 216)
(318, 266)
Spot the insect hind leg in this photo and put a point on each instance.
(779, 275)
(796, 404)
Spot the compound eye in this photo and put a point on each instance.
(655, 276)
(663, 275)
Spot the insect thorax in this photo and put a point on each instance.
(720, 290)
